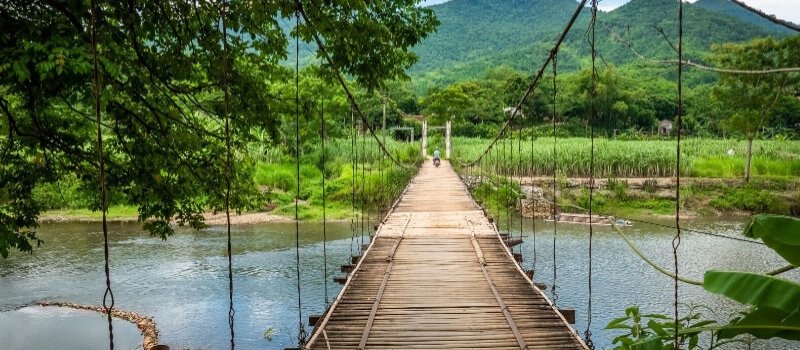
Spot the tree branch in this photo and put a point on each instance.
(666, 38)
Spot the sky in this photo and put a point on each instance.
(783, 9)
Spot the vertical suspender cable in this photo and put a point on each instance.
(519, 174)
(108, 295)
(324, 206)
(382, 190)
(555, 175)
(364, 159)
(354, 155)
(533, 200)
(228, 167)
(587, 335)
(498, 172)
(510, 173)
(301, 336)
(676, 241)
(366, 196)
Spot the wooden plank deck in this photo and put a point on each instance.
(438, 276)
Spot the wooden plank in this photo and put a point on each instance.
(390, 259)
(497, 296)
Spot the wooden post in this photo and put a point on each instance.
(424, 138)
(569, 315)
(447, 140)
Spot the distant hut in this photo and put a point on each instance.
(665, 127)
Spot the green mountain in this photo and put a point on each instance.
(475, 35)
(729, 8)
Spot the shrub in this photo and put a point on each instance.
(618, 187)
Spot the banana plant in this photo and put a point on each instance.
(773, 303)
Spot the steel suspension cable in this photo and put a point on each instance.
(519, 175)
(228, 168)
(108, 295)
(587, 335)
(533, 84)
(343, 84)
(676, 241)
(770, 18)
(324, 204)
(354, 156)
(533, 200)
(364, 213)
(555, 175)
(301, 335)
(382, 190)
(509, 174)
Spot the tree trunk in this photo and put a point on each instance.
(749, 159)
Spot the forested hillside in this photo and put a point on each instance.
(726, 7)
(478, 34)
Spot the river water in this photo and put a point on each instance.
(182, 282)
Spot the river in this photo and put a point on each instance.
(182, 282)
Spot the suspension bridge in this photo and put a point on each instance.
(438, 274)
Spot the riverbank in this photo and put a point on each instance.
(634, 197)
(644, 197)
(128, 214)
(145, 324)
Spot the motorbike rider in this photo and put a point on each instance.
(436, 155)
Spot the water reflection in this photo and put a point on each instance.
(61, 328)
(622, 279)
(182, 282)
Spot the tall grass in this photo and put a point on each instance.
(373, 183)
(617, 158)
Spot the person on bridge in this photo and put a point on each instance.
(437, 156)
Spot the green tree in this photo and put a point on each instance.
(443, 104)
(162, 105)
(751, 98)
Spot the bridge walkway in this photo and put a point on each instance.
(437, 275)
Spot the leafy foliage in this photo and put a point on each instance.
(781, 233)
(162, 67)
(654, 331)
(774, 303)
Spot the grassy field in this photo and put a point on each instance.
(619, 159)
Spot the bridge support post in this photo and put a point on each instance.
(424, 138)
(447, 140)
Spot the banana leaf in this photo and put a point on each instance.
(781, 233)
(765, 323)
(754, 289)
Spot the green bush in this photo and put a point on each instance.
(618, 187)
(750, 199)
(67, 193)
